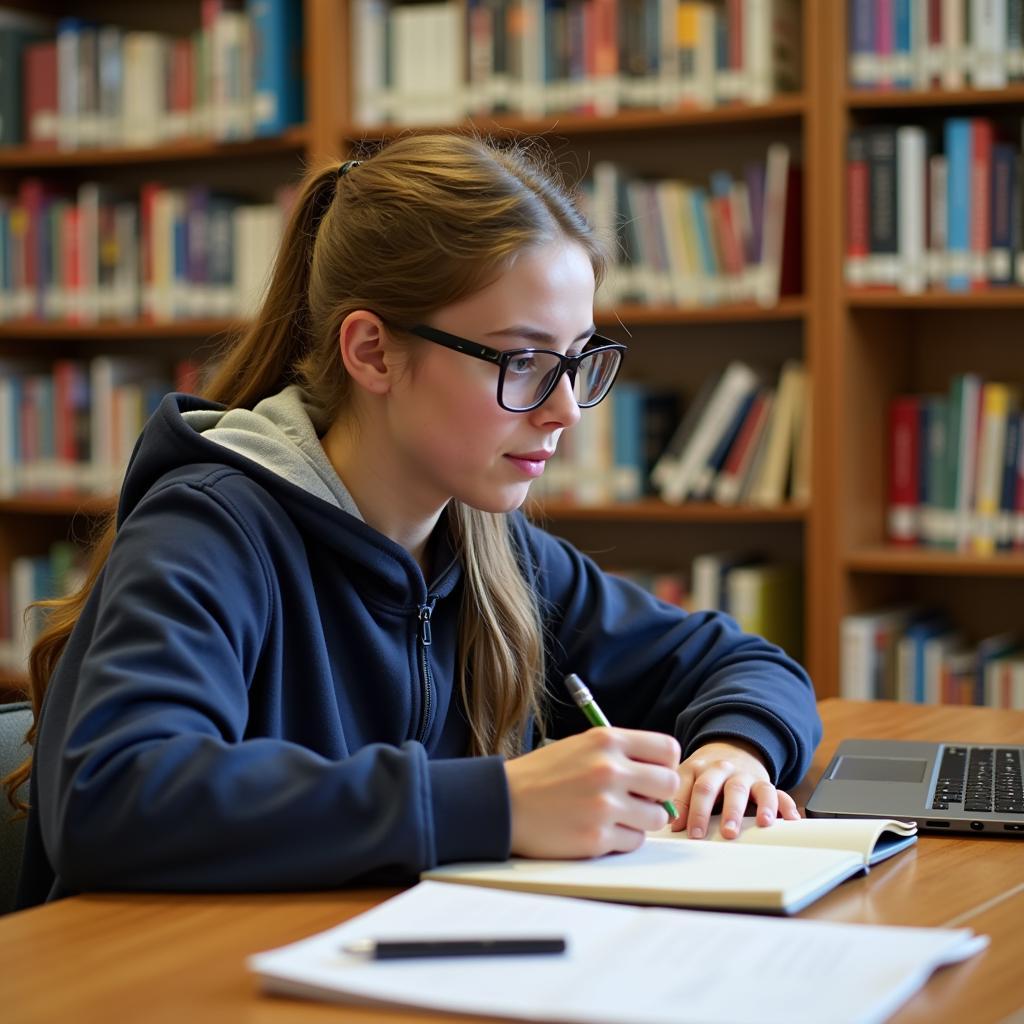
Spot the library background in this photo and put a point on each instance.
(816, 212)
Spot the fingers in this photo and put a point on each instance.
(651, 747)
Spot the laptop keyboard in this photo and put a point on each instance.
(981, 778)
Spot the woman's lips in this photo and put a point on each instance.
(531, 464)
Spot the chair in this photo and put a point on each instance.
(15, 720)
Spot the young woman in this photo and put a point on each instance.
(320, 644)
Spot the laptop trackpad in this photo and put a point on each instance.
(880, 769)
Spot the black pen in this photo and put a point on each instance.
(397, 949)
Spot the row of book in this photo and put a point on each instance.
(737, 239)
(75, 84)
(921, 214)
(745, 439)
(956, 468)
(609, 455)
(71, 426)
(764, 597)
(100, 253)
(438, 62)
(59, 571)
(935, 44)
(917, 655)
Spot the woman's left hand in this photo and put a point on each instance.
(734, 771)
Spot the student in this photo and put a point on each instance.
(322, 645)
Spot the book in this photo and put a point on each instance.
(623, 965)
(779, 869)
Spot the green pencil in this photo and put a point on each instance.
(595, 716)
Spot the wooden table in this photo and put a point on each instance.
(125, 958)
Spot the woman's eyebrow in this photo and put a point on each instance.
(537, 335)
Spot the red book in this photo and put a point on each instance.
(904, 469)
(65, 441)
(39, 92)
(858, 213)
(70, 230)
(728, 237)
(147, 197)
(32, 198)
(791, 270)
(180, 86)
(981, 206)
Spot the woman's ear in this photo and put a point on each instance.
(365, 351)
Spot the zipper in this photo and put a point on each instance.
(425, 639)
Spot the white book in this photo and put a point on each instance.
(671, 203)
(733, 386)
(954, 43)
(769, 487)
(858, 650)
(911, 162)
(707, 578)
(622, 965)
(773, 233)
(142, 116)
(369, 20)
(938, 218)
(966, 449)
(988, 38)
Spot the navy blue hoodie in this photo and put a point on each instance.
(260, 693)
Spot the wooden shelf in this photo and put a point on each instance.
(926, 562)
(651, 510)
(41, 504)
(787, 308)
(116, 330)
(783, 108)
(790, 307)
(881, 298)
(34, 158)
(895, 99)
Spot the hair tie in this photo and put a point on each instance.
(346, 167)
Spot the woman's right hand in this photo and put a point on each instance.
(594, 793)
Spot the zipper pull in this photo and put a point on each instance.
(426, 610)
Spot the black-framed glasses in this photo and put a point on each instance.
(527, 376)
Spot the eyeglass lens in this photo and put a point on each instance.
(531, 376)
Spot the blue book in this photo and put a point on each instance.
(901, 46)
(278, 99)
(958, 202)
(862, 43)
(910, 652)
(627, 440)
(699, 203)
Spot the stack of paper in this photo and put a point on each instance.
(623, 965)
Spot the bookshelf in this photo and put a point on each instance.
(886, 343)
(823, 325)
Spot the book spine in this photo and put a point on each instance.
(904, 470)
(858, 247)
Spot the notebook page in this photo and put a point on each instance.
(873, 838)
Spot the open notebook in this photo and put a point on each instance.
(780, 869)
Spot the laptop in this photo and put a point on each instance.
(949, 787)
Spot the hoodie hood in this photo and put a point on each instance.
(282, 434)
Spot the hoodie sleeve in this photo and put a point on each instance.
(653, 666)
(146, 775)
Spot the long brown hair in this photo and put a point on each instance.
(426, 221)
